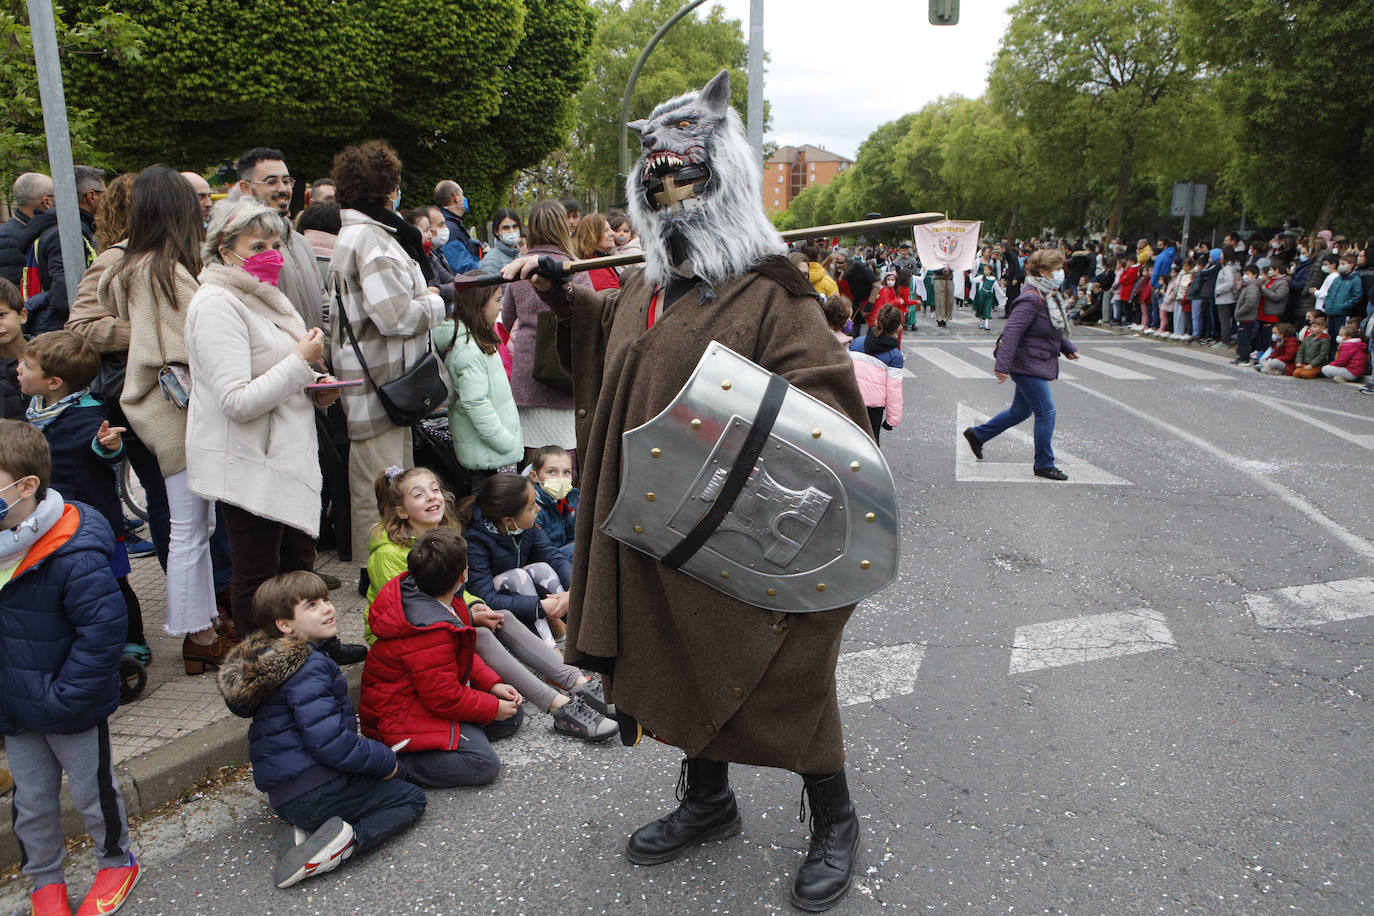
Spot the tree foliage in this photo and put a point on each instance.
(311, 76)
(23, 142)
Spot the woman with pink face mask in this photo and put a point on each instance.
(250, 439)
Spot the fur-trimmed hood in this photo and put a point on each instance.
(258, 666)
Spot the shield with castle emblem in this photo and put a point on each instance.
(759, 490)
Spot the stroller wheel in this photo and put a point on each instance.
(132, 679)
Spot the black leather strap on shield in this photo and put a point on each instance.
(764, 418)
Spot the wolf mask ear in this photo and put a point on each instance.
(716, 95)
(638, 126)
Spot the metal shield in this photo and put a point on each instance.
(816, 524)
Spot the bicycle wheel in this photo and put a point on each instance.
(130, 490)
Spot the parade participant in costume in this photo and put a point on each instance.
(725, 679)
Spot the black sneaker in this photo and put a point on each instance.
(595, 695)
(343, 653)
(577, 718)
(974, 444)
(1051, 473)
(1367, 389)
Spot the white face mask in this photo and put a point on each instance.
(511, 238)
(1344, 268)
(441, 235)
(1058, 276)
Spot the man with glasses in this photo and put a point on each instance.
(42, 245)
(859, 283)
(263, 174)
(32, 195)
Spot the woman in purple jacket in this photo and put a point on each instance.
(1028, 352)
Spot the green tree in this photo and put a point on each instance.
(1104, 76)
(692, 52)
(23, 141)
(1298, 100)
(310, 76)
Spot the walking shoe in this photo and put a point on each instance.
(333, 583)
(139, 547)
(50, 900)
(132, 525)
(111, 889)
(139, 651)
(1368, 389)
(577, 718)
(974, 444)
(322, 851)
(595, 694)
(196, 657)
(1051, 473)
(343, 653)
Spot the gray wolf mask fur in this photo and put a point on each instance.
(721, 231)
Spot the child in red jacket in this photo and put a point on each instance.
(894, 295)
(1351, 362)
(1283, 358)
(423, 681)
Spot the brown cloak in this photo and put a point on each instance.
(719, 678)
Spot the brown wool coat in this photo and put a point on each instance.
(719, 678)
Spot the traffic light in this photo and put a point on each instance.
(944, 12)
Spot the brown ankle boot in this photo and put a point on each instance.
(197, 657)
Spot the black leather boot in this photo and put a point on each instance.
(707, 813)
(824, 877)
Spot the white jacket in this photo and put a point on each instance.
(250, 432)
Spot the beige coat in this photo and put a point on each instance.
(250, 438)
(105, 331)
(719, 678)
(131, 295)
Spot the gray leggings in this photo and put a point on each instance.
(500, 650)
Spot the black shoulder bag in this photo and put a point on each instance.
(412, 396)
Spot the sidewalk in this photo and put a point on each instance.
(179, 730)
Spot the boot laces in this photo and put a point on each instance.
(681, 790)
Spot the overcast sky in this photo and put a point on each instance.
(840, 68)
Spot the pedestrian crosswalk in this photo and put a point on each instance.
(973, 361)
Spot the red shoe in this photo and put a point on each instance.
(112, 887)
(50, 900)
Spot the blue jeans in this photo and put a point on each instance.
(376, 809)
(1032, 397)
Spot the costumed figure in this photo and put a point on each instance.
(726, 654)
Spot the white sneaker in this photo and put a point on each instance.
(324, 850)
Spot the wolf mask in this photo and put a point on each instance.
(696, 193)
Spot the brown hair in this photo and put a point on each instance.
(1284, 329)
(10, 297)
(469, 302)
(543, 453)
(888, 321)
(276, 599)
(837, 310)
(587, 236)
(438, 561)
(500, 496)
(23, 452)
(1044, 261)
(112, 214)
(391, 493)
(1317, 321)
(165, 228)
(367, 172)
(548, 226)
(65, 355)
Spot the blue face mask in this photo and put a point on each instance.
(5, 506)
(396, 204)
(465, 205)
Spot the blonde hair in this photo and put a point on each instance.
(232, 219)
(1044, 261)
(389, 489)
(548, 225)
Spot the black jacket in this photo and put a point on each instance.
(52, 314)
(1204, 285)
(12, 247)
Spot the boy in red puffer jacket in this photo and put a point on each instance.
(423, 681)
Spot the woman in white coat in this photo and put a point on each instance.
(250, 437)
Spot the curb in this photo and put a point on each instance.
(156, 777)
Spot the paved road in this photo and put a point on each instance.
(1146, 690)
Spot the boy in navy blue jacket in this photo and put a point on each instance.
(551, 468)
(55, 374)
(335, 787)
(62, 624)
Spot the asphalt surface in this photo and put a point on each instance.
(1077, 698)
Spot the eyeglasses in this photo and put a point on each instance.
(285, 181)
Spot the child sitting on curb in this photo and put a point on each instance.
(337, 788)
(1315, 349)
(1280, 360)
(1351, 362)
(423, 681)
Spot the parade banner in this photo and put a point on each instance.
(952, 243)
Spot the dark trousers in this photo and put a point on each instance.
(134, 633)
(261, 549)
(875, 420)
(474, 763)
(150, 476)
(1245, 338)
(376, 809)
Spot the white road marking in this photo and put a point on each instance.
(1312, 605)
(1204, 356)
(1364, 441)
(907, 373)
(968, 469)
(1361, 546)
(878, 674)
(949, 362)
(1087, 639)
(1093, 364)
(1165, 364)
(987, 351)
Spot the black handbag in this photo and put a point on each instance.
(415, 393)
(547, 368)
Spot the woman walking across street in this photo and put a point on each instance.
(1028, 353)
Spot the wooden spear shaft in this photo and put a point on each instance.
(791, 235)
